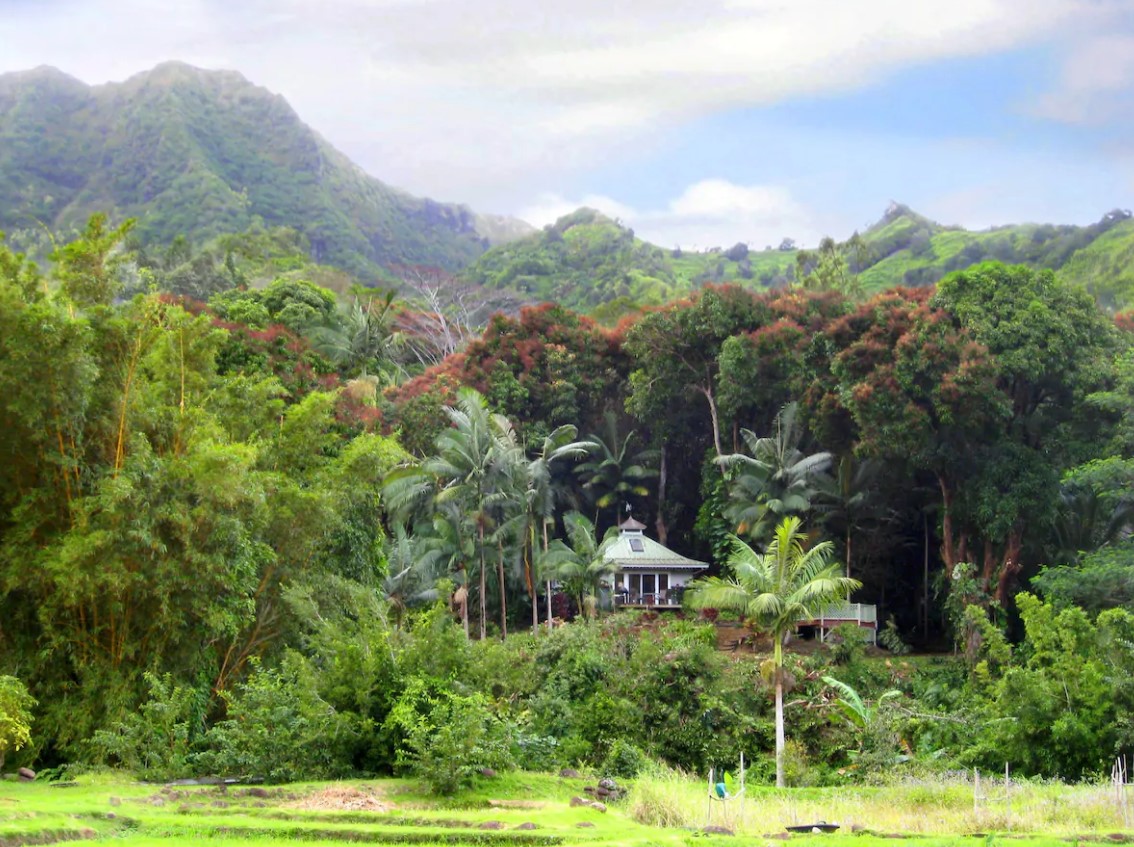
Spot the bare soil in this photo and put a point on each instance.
(344, 798)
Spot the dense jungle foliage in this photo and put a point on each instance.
(268, 531)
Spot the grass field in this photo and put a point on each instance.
(533, 810)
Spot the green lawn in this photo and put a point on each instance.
(533, 810)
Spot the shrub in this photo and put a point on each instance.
(448, 738)
(847, 644)
(624, 760)
(161, 740)
(279, 729)
(891, 639)
(15, 716)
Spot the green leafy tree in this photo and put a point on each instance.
(16, 706)
(787, 583)
(88, 268)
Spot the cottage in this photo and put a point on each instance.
(649, 575)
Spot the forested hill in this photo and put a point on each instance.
(586, 259)
(200, 153)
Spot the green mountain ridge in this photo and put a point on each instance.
(201, 153)
(585, 259)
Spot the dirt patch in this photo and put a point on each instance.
(344, 798)
(517, 804)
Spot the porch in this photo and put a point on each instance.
(863, 615)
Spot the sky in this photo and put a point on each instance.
(700, 123)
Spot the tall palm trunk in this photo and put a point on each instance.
(530, 552)
(779, 662)
(546, 545)
(503, 593)
(483, 587)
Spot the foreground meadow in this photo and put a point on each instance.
(531, 809)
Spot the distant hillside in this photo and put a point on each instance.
(908, 249)
(586, 259)
(201, 153)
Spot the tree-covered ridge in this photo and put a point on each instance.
(588, 261)
(585, 259)
(201, 153)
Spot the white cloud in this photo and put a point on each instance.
(1097, 75)
(708, 213)
(494, 101)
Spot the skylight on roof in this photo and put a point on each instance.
(636, 545)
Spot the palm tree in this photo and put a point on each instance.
(776, 480)
(787, 583)
(469, 472)
(363, 335)
(581, 566)
(845, 501)
(413, 570)
(613, 475)
(541, 496)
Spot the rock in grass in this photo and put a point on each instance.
(488, 772)
(579, 801)
(717, 830)
(569, 773)
(584, 824)
(527, 825)
(491, 825)
(25, 774)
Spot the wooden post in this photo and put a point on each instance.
(709, 799)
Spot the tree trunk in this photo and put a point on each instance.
(483, 589)
(925, 578)
(659, 524)
(848, 547)
(779, 724)
(503, 592)
(707, 390)
(465, 602)
(948, 552)
(549, 605)
(1010, 565)
(547, 597)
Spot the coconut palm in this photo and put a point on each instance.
(413, 570)
(541, 496)
(787, 583)
(775, 478)
(469, 472)
(362, 336)
(612, 475)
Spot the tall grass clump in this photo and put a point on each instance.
(663, 796)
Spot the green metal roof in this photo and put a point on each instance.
(652, 554)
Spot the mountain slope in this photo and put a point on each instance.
(908, 249)
(586, 259)
(200, 153)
